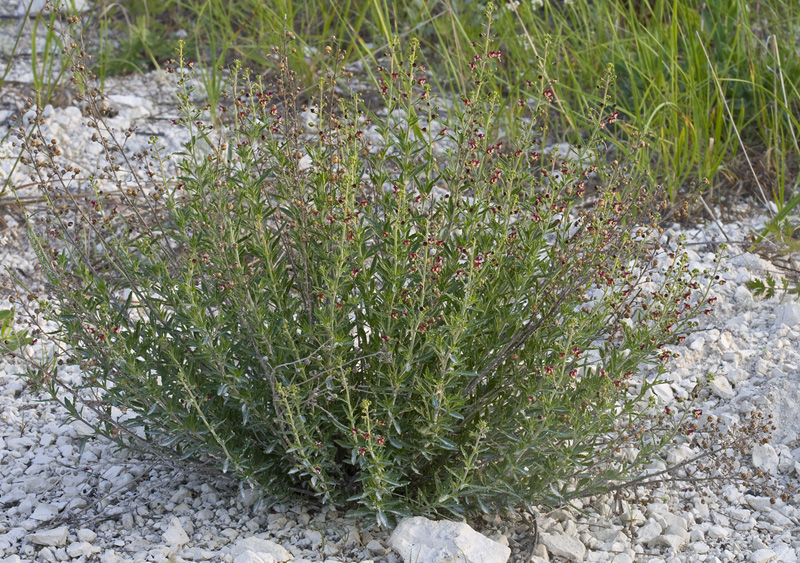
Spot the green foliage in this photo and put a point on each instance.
(47, 59)
(406, 311)
(767, 287)
(10, 339)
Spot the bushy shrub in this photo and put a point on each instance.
(402, 310)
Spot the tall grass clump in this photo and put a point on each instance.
(716, 82)
(678, 65)
(404, 311)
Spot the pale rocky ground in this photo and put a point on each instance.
(65, 500)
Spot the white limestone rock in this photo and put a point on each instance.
(633, 517)
(700, 547)
(785, 553)
(87, 535)
(721, 387)
(762, 504)
(44, 512)
(198, 554)
(737, 376)
(719, 532)
(668, 540)
(564, 546)
(667, 519)
(352, 538)
(36, 485)
(425, 541)
(765, 458)
(698, 344)
(650, 531)
(82, 429)
(673, 536)
(19, 444)
(779, 519)
(260, 547)
(55, 537)
(305, 163)
(679, 454)
(762, 556)
(375, 547)
(787, 314)
(175, 534)
(314, 538)
(663, 392)
(785, 459)
(540, 554)
(81, 549)
(133, 107)
(251, 557)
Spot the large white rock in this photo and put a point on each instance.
(742, 295)
(663, 392)
(425, 541)
(374, 547)
(134, 107)
(44, 512)
(721, 387)
(779, 519)
(668, 540)
(87, 535)
(82, 429)
(314, 537)
(762, 556)
(35, 485)
(564, 546)
(196, 553)
(784, 553)
(719, 532)
(785, 395)
(673, 536)
(81, 548)
(110, 556)
(765, 458)
(668, 519)
(787, 314)
(250, 557)
(175, 534)
(262, 548)
(679, 454)
(762, 504)
(55, 537)
(650, 531)
(785, 459)
(633, 517)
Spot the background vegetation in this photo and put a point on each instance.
(716, 83)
